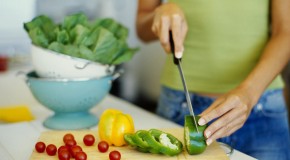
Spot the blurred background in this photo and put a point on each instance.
(140, 82)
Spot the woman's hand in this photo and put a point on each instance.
(231, 111)
(170, 17)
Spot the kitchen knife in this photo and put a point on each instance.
(177, 61)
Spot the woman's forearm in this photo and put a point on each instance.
(144, 25)
(275, 57)
(276, 53)
(144, 19)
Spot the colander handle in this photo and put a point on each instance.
(117, 74)
(81, 66)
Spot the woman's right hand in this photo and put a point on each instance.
(168, 17)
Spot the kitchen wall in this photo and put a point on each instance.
(140, 82)
(13, 39)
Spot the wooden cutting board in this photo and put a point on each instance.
(213, 152)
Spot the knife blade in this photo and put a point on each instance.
(177, 61)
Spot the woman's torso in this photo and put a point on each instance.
(223, 44)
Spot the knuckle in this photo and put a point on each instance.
(164, 19)
(176, 16)
(227, 127)
(212, 128)
(236, 97)
(218, 111)
(226, 119)
(163, 42)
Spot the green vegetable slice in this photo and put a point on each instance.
(138, 138)
(164, 142)
(194, 140)
(154, 141)
(129, 140)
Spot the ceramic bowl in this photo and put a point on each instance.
(50, 64)
(70, 99)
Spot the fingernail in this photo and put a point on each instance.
(207, 134)
(201, 121)
(208, 141)
(178, 54)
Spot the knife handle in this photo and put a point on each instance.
(175, 60)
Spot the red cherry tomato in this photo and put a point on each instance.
(103, 146)
(75, 149)
(40, 147)
(64, 155)
(89, 140)
(70, 142)
(81, 156)
(115, 155)
(61, 148)
(51, 149)
(68, 136)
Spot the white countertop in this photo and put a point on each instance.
(17, 139)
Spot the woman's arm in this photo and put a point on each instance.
(155, 20)
(144, 21)
(235, 107)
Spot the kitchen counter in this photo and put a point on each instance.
(17, 139)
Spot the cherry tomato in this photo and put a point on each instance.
(51, 149)
(70, 142)
(81, 156)
(115, 155)
(64, 155)
(68, 136)
(61, 148)
(75, 149)
(103, 146)
(40, 147)
(89, 140)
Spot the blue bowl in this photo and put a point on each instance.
(70, 99)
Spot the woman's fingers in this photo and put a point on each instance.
(176, 27)
(169, 17)
(224, 131)
(219, 108)
(164, 33)
(230, 113)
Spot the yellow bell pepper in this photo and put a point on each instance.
(11, 114)
(113, 125)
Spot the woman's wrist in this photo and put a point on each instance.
(251, 92)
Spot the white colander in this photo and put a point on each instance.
(50, 64)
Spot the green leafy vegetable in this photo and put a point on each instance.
(72, 20)
(103, 41)
(62, 37)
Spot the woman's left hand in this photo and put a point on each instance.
(231, 111)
